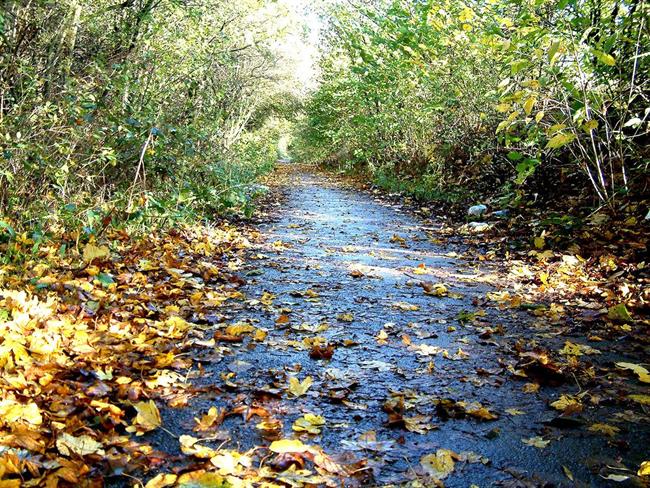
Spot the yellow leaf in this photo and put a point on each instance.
(466, 15)
(567, 472)
(382, 337)
(555, 128)
(538, 442)
(619, 313)
(12, 411)
(288, 445)
(209, 420)
(531, 388)
(642, 399)
(564, 402)
(605, 429)
(259, 335)
(437, 290)
(606, 59)
(644, 469)
(298, 388)
(478, 411)
(514, 411)
(147, 419)
(92, 252)
(529, 104)
(559, 140)
(419, 424)
(270, 425)
(571, 349)
(438, 465)
(228, 462)
(81, 446)
(191, 447)
(161, 480)
(309, 423)
(539, 242)
(406, 307)
(642, 373)
(239, 329)
(202, 479)
(590, 125)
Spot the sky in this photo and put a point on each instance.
(301, 48)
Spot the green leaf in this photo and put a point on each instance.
(619, 313)
(559, 140)
(590, 125)
(518, 66)
(105, 279)
(555, 47)
(526, 168)
(9, 229)
(604, 58)
(529, 104)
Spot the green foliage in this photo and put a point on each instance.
(140, 112)
(485, 92)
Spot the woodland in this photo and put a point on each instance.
(284, 243)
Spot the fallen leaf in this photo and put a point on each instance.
(420, 424)
(605, 429)
(288, 445)
(435, 290)
(81, 446)
(230, 462)
(566, 402)
(619, 313)
(282, 319)
(310, 423)
(12, 411)
(571, 349)
(514, 411)
(322, 352)
(478, 411)
(161, 480)
(531, 388)
(190, 446)
(644, 469)
(92, 252)
(299, 388)
(642, 399)
(538, 442)
(405, 307)
(147, 419)
(210, 420)
(382, 337)
(202, 479)
(438, 465)
(567, 472)
(619, 478)
(642, 373)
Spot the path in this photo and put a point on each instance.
(345, 268)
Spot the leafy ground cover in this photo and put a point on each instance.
(340, 340)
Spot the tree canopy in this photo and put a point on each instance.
(501, 94)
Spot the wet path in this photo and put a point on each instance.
(411, 372)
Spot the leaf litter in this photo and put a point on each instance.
(294, 373)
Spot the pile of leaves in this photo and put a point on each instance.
(93, 342)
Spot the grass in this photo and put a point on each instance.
(426, 188)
